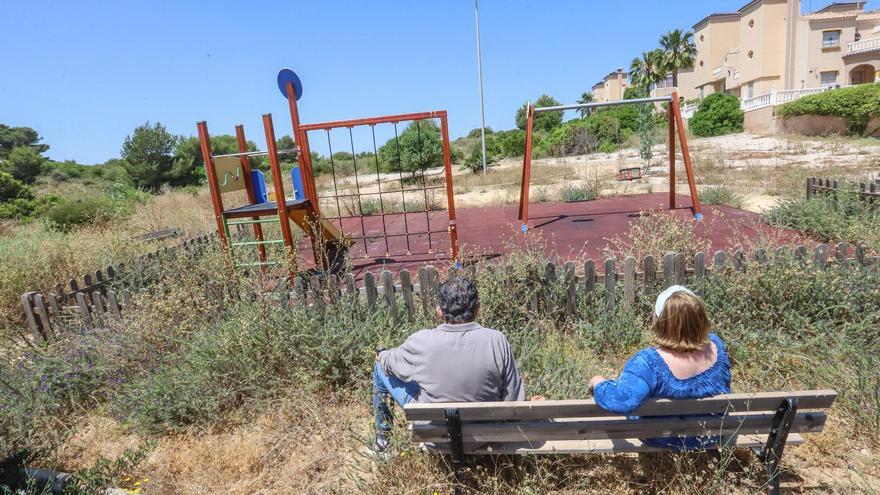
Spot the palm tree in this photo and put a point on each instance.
(648, 69)
(587, 97)
(679, 52)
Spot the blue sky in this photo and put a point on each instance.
(85, 73)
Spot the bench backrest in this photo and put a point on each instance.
(517, 422)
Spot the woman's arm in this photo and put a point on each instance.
(632, 387)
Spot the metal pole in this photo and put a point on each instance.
(480, 72)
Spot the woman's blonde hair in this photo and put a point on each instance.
(683, 325)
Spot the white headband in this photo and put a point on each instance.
(666, 294)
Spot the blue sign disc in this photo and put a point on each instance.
(287, 75)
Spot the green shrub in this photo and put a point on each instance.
(843, 216)
(717, 114)
(474, 160)
(577, 192)
(856, 105)
(722, 195)
(71, 213)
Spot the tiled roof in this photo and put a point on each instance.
(827, 16)
(869, 16)
(717, 14)
(857, 5)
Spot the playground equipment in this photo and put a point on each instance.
(675, 122)
(335, 232)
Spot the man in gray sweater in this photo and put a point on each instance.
(459, 361)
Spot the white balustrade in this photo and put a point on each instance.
(863, 45)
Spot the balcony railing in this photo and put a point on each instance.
(774, 98)
(863, 45)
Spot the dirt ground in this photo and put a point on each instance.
(758, 168)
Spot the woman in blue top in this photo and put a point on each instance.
(688, 362)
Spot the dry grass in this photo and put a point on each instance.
(302, 445)
(308, 445)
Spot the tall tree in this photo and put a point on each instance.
(543, 121)
(15, 137)
(418, 147)
(679, 52)
(586, 97)
(24, 164)
(150, 161)
(647, 69)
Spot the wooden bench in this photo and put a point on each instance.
(765, 422)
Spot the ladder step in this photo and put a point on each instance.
(249, 222)
(256, 243)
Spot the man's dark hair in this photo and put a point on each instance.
(458, 300)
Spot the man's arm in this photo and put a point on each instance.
(402, 361)
(512, 384)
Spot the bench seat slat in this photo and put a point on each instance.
(526, 410)
(603, 428)
(604, 446)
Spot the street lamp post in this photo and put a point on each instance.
(480, 72)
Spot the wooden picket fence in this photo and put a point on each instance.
(139, 268)
(554, 289)
(821, 185)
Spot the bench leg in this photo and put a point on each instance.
(771, 455)
(453, 427)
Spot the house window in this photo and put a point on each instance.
(702, 92)
(828, 79)
(701, 63)
(750, 90)
(858, 36)
(751, 23)
(751, 54)
(830, 39)
(702, 38)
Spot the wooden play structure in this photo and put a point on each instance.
(335, 234)
(675, 122)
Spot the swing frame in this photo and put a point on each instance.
(675, 123)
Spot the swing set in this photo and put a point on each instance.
(335, 235)
(675, 123)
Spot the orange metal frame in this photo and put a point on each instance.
(675, 123)
(277, 182)
(300, 133)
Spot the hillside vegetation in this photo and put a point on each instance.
(231, 379)
(855, 104)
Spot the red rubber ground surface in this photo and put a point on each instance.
(565, 231)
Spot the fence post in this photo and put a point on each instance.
(425, 291)
(668, 265)
(549, 288)
(699, 272)
(800, 254)
(570, 288)
(739, 260)
(649, 279)
(388, 286)
(84, 311)
(113, 304)
(351, 288)
(841, 252)
(680, 269)
(629, 281)
(299, 291)
(589, 279)
(821, 256)
(610, 284)
(811, 183)
(316, 291)
(370, 289)
(27, 303)
(718, 262)
(406, 289)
